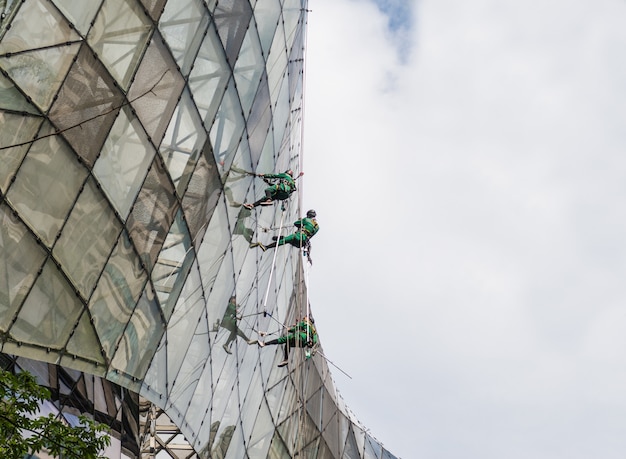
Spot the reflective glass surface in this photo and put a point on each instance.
(132, 131)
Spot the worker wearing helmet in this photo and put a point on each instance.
(302, 334)
(306, 229)
(284, 186)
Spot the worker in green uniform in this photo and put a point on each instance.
(229, 322)
(278, 191)
(306, 229)
(302, 334)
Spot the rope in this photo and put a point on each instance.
(334, 365)
(302, 374)
(273, 265)
(266, 229)
(107, 112)
(282, 325)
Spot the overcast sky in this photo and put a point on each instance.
(467, 161)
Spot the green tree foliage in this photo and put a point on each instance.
(23, 432)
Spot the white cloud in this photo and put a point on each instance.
(469, 268)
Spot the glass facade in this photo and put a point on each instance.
(130, 131)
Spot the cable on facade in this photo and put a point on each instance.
(265, 314)
(273, 265)
(106, 112)
(301, 397)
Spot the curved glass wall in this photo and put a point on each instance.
(130, 132)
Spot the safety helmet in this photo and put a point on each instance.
(311, 214)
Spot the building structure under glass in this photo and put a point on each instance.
(131, 134)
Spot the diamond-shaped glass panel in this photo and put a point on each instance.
(156, 88)
(292, 14)
(372, 448)
(37, 24)
(259, 121)
(278, 449)
(154, 7)
(281, 115)
(172, 265)
(116, 294)
(124, 162)
(248, 69)
(22, 257)
(276, 62)
(119, 36)
(201, 197)
(140, 338)
(209, 76)
(183, 142)
(16, 130)
(153, 213)
(39, 73)
(189, 311)
(37, 193)
(80, 14)
(199, 405)
(156, 381)
(12, 99)
(232, 19)
(227, 129)
(87, 238)
(183, 24)
(186, 378)
(87, 105)
(266, 13)
(84, 342)
(52, 326)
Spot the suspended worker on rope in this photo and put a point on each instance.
(307, 228)
(229, 322)
(279, 190)
(302, 334)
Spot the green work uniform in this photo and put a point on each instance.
(307, 227)
(304, 332)
(279, 191)
(282, 189)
